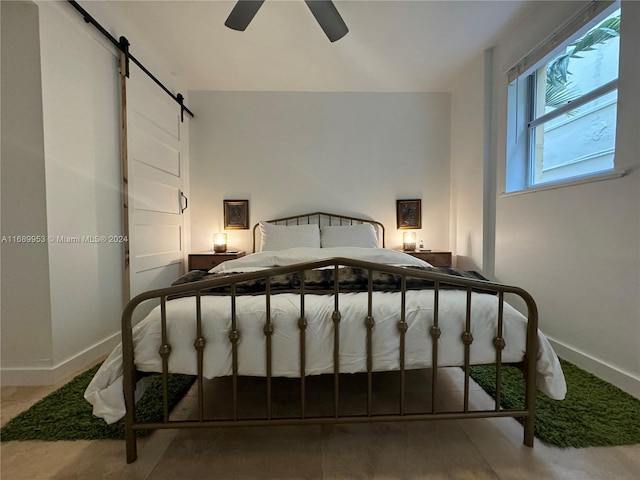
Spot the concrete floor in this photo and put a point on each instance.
(464, 449)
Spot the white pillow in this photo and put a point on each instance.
(363, 235)
(281, 237)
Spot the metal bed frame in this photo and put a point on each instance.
(197, 289)
(321, 219)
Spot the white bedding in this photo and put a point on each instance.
(280, 258)
(105, 390)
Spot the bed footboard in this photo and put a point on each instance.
(440, 282)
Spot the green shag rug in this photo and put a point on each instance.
(66, 415)
(594, 412)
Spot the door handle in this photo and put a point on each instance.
(186, 202)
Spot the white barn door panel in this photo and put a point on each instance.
(156, 159)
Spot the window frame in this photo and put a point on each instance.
(521, 102)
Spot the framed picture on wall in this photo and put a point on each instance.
(236, 214)
(409, 214)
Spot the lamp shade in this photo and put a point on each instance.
(409, 240)
(220, 242)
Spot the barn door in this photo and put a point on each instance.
(155, 157)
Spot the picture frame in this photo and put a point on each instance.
(409, 214)
(236, 214)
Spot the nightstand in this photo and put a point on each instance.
(435, 258)
(208, 260)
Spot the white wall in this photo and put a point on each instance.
(467, 147)
(26, 310)
(577, 248)
(82, 150)
(61, 177)
(350, 153)
(72, 298)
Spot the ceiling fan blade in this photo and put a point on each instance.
(242, 14)
(328, 17)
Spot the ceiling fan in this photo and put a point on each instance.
(324, 10)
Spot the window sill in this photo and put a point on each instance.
(597, 177)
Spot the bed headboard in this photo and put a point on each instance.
(321, 219)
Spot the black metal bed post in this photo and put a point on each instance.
(164, 352)
(302, 325)
(467, 339)
(268, 332)
(435, 333)
(370, 323)
(499, 345)
(199, 345)
(234, 336)
(402, 328)
(530, 362)
(336, 317)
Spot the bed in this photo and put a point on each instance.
(323, 298)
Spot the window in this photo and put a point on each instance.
(562, 108)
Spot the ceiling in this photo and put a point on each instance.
(392, 46)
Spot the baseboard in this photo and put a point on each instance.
(626, 381)
(27, 376)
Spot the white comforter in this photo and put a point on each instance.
(105, 390)
(262, 260)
